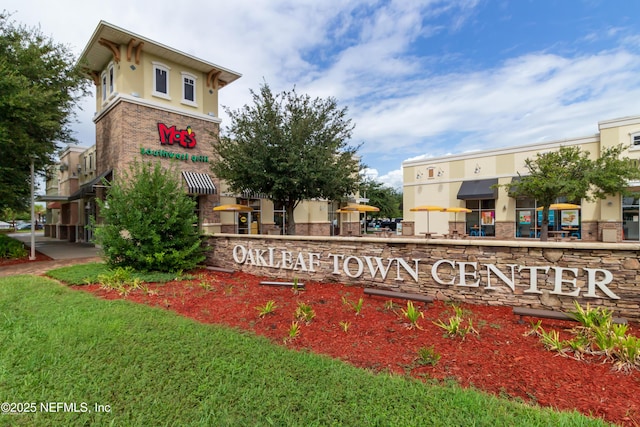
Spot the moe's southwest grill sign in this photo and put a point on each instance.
(169, 136)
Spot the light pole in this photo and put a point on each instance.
(32, 257)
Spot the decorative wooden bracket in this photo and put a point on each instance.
(212, 78)
(95, 77)
(114, 47)
(137, 46)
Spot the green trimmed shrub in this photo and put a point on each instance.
(149, 222)
(11, 248)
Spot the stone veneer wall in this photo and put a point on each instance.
(621, 259)
(505, 229)
(312, 229)
(127, 127)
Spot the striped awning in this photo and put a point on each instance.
(198, 183)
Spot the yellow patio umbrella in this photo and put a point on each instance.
(428, 209)
(455, 210)
(233, 208)
(359, 208)
(356, 207)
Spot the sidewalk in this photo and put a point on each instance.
(62, 252)
(57, 249)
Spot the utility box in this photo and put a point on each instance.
(609, 235)
(406, 228)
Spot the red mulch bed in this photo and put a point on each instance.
(500, 360)
(39, 257)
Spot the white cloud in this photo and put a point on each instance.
(529, 98)
(391, 179)
(406, 103)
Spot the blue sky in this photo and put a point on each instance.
(419, 78)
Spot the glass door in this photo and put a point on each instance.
(481, 219)
(630, 223)
(244, 219)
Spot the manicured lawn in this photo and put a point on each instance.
(155, 368)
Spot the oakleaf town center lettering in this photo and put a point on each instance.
(444, 271)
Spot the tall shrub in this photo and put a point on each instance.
(149, 222)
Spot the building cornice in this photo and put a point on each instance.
(623, 121)
(553, 145)
(150, 104)
(107, 38)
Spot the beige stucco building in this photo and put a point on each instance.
(154, 103)
(466, 180)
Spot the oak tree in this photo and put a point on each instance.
(40, 84)
(387, 199)
(290, 148)
(570, 173)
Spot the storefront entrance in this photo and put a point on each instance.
(529, 219)
(249, 222)
(630, 223)
(481, 219)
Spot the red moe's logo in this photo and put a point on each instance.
(170, 135)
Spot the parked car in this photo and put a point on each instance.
(390, 224)
(27, 226)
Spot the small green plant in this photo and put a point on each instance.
(144, 287)
(591, 317)
(295, 288)
(454, 327)
(305, 312)
(345, 326)
(628, 354)
(116, 277)
(294, 331)
(120, 279)
(596, 335)
(552, 341)
(456, 324)
(356, 306)
(579, 346)
(391, 306)
(428, 356)
(412, 314)
(205, 285)
(268, 308)
(535, 329)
